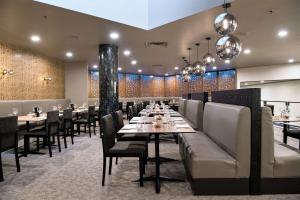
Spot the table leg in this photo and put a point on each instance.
(157, 164)
(284, 131)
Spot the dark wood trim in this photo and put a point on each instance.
(280, 185)
(250, 98)
(202, 96)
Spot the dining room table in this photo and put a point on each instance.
(286, 122)
(160, 112)
(157, 129)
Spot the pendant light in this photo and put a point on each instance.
(208, 58)
(198, 67)
(185, 75)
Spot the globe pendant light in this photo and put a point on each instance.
(227, 46)
(189, 67)
(185, 75)
(198, 67)
(208, 59)
(225, 23)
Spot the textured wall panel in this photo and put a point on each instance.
(172, 86)
(122, 85)
(210, 82)
(147, 89)
(158, 86)
(30, 68)
(132, 85)
(226, 80)
(196, 84)
(93, 84)
(184, 87)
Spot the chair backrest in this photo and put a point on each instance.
(130, 112)
(267, 142)
(8, 131)
(135, 111)
(229, 126)
(67, 118)
(91, 113)
(109, 133)
(120, 122)
(52, 123)
(182, 106)
(194, 113)
(146, 103)
(166, 102)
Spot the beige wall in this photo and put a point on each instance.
(76, 82)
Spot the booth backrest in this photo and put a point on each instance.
(230, 127)
(194, 113)
(26, 106)
(267, 143)
(182, 106)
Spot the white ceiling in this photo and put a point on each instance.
(68, 30)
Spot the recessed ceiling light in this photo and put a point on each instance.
(282, 33)
(291, 60)
(126, 52)
(140, 71)
(69, 54)
(166, 74)
(262, 81)
(119, 68)
(133, 62)
(227, 61)
(176, 68)
(247, 51)
(151, 76)
(114, 35)
(245, 83)
(177, 76)
(35, 38)
(215, 67)
(95, 66)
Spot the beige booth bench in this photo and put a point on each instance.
(280, 164)
(217, 159)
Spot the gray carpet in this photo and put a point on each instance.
(76, 173)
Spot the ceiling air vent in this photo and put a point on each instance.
(156, 44)
(157, 65)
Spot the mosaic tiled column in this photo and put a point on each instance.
(108, 78)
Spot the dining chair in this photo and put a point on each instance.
(66, 126)
(130, 113)
(111, 148)
(9, 139)
(51, 129)
(87, 121)
(128, 104)
(135, 110)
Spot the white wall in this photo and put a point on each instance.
(280, 91)
(76, 82)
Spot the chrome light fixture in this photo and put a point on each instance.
(185, 75)
(198, 67)
(7, 72)
(208, 58)
(47, 78)
(227, 46)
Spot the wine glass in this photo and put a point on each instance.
(59, 106)
(15, 111)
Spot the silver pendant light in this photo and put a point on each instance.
(185, 74)
(208, 58)
(198, 67)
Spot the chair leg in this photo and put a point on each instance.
(94, 127)
(110, 165)
(78, 129)
(58, 142)
(1, 170)
(65, 138)
(72, 135)
(104, 169)
(141, 160)
(90, 130)
(37, 143)
(53, 137)
(17, 158)
(26, 145)
(85, 128)
(49, 146)
(116, 160)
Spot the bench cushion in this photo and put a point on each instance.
(194, 113)
(182, 106)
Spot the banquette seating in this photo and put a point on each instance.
(217, 159)
(280, 164)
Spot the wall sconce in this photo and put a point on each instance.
(47, 78)
(7, 72)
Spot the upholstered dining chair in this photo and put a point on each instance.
(66, 126)
(130, 113)
(88, 121)
(51, 129)
(111, 148)
(9, 139)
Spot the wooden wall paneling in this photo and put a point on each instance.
(146, 86)
(30, 68)
(196, 84)
(226, 80)
(132, 85)
(172, 86)
(122, 85)
(210, 82)
(158, 86)
(93, 84)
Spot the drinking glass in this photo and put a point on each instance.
(59, 106)
(15, 111)
(139, 126)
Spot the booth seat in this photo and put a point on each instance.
(280, 163)
(182, 106)
(217, 159)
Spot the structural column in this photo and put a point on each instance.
(108, 79)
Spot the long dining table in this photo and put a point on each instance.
(150, 128)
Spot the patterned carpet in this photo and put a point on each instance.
(76, 173)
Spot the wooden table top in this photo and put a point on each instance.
(150, 128)
(148, 120)
(284, 119)
(31, 118)
(161, 112)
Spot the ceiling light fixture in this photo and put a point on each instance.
(119, 68)
(69, 54)
(127, 52)
(151, 76)
(282, 33)
(114, 35)
(35, 38)
(140, 70)
(214, 67)
(177, 76)
(247, 51)
(133, 62)
(291, 60)
(166, 74)
(227, 61)
(198, 67)
(95, 66)
(176, 68)
(208, 59)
